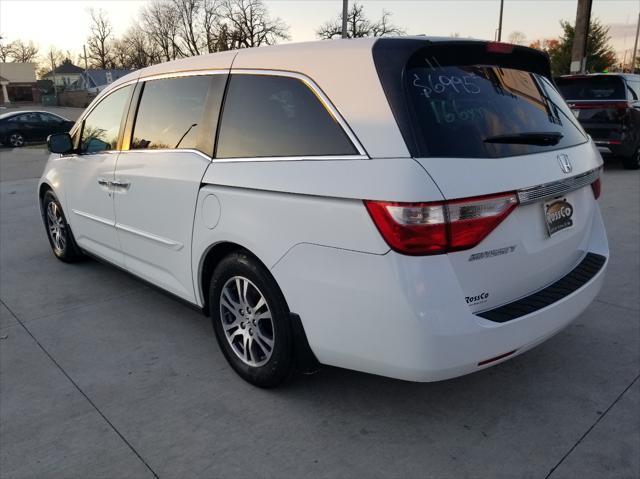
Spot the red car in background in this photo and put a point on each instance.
(607, 106)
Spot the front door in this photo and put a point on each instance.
(90, 175)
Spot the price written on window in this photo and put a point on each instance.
(433, 85)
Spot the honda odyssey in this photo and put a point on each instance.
(418, 208)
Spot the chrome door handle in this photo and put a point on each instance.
(121, 184)
(104, 182)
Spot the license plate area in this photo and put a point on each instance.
(558, 215)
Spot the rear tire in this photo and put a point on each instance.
(251, 321)
(632, 162)
(59, 233)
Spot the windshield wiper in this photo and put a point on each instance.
(542, 139)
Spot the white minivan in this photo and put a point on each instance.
(419, 208)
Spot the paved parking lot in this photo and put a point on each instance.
(101, 376)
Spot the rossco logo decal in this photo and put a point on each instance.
(478, 299)
(558, 216)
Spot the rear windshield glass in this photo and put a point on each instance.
(592, 88)
(485, 111)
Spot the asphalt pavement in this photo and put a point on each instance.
(104, 377)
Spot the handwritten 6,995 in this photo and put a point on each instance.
(434, 85)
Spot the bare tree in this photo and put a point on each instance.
(249, 24)
(22, 52)
(45, 65)
(215, 32)
(160, 21)
(100, 39)
(517, 38)
(189, 15)
(358, 25)
(134, 50)
(5, 51)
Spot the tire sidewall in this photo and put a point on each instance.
(280, 364)
(69, 253)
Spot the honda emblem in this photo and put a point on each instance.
(565, 164)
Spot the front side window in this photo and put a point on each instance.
(276, 116)
(170, 113)
(102, 126)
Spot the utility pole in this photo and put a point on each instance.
(580, 37)
(345, 13)
(53, 70)
(500, 21)
(635, 47)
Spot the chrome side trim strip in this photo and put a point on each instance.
(557, 188)
(168, 150)
(291, 158)
(98, 219)
(185, 73)
(317, 91)
(158, 239)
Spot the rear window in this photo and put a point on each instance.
(478, 111)
(592, 88)
(473, 99)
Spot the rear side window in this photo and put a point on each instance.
(272, 116)
(102, 126)
(170, 113)
(599, 87)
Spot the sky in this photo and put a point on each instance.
(65, 23)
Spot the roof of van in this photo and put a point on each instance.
(274, 54)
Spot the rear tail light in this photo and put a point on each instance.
(596, 186)
(439, 227)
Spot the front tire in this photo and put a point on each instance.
(251, 320)
(59, 234)
(16, 139)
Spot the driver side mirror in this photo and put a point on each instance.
(60, 143)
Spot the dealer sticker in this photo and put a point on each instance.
(558, 215)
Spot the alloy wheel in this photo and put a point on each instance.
(16, 140)
(56, 227)
(246, 321)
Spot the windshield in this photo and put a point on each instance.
(592, 88)
(486, 111)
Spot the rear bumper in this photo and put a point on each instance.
(406, 317)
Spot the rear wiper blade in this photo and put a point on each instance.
(542, 139)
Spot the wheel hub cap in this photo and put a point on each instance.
(246, 321)
(56, 226)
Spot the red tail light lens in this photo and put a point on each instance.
(596, 186)
(498, 47)
(436, 228)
